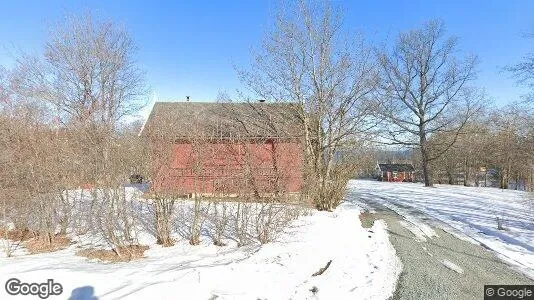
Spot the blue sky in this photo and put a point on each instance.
(191, 47)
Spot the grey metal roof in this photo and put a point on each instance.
(396, 167)
(224, 120)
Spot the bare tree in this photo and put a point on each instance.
(424, 90)
(494, 148)
(88, 73)
(89, 81)
(307, 60)
(523, 72)
(510, 146)
(467, 158)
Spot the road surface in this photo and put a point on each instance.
(442, 266)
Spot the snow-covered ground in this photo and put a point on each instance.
(469, 212)
(364, 266)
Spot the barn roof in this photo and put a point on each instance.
(396, 167)
(223, 120)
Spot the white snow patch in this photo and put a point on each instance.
(361, 268)
(421, 226)
(420, 230)
(452, 266)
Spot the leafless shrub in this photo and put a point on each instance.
(38, 245)
(130, 253)
(241, 223)
(11, 240)
(270, 218)
(155, 153)
(219, 219)
(163, 214)
(114, 219)
(191, 216)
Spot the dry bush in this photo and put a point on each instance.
(130, 253)
(157, 216)
(190, 220)
(219, 219)
(30, 199)
(261, 221)
(271, 218)
(198, 216)
(115, 218)
(42, 244)
(16, 234)
(80, 211)
(11, 240)
(16, 209)
(241, 223)
(332, 193)
(154, 150)
(43, 218)
(163, 209)
(73, 136)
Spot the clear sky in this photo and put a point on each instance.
(191, 47)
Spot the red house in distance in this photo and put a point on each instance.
(225, 149)
(395, 172)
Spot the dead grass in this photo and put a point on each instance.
(17, 235)
(128, 253)
(41, 245)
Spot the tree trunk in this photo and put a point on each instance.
(450, 177)
(504, 180)
(424, 155)
(466, 172)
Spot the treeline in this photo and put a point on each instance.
(496, 148)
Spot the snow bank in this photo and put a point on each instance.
(468, 211)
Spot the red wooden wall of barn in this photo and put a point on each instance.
(222, 168)
(399, 176)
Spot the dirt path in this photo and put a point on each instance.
(442, 267)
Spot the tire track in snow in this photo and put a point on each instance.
(442, 266)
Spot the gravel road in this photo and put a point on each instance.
(441, 267)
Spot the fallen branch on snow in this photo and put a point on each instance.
(321, 270)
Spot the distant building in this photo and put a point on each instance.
(395, 172)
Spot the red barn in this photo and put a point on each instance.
(225, 149)
(395, 172)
